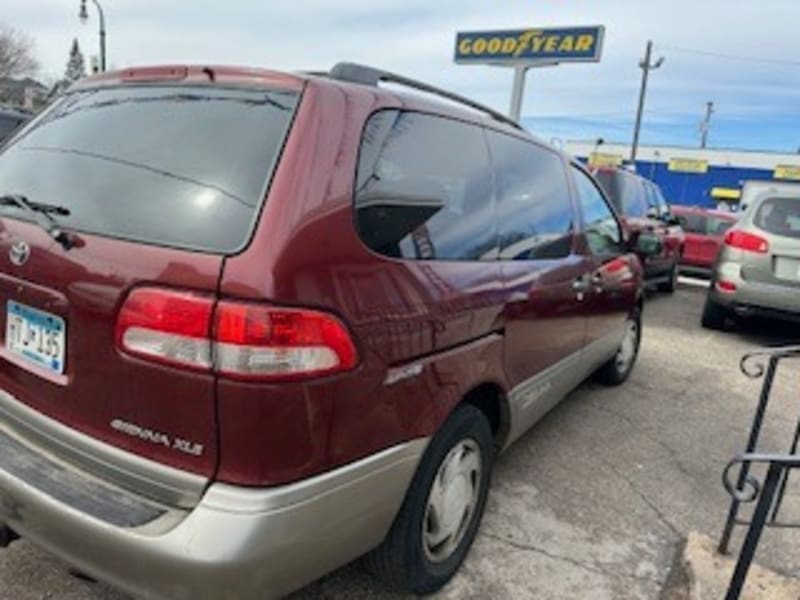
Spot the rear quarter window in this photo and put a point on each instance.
(182, 166)
(424, 188)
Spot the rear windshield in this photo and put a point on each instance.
(624, 191)
(780, 216)
(704, 224)
(176, 166)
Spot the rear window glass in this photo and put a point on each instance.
(624, 191)
(704, 224)
(780, 216)
(170, 165)
(7, 125)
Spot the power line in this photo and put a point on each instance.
(755, 59)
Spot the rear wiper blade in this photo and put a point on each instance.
(41, 216)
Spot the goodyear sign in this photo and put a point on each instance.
(530, 46)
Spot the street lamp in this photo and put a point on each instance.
(83, 15)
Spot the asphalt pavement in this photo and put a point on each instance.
(594, 501)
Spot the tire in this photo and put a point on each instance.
(406, 560)
(620, 366)
(714, 315)
(670, 285)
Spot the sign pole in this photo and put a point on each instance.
(517, 92)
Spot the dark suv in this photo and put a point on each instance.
(644, 208)
(258, 325)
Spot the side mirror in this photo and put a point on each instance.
(652, 213)
(648, 244)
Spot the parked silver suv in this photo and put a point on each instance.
(758, 268)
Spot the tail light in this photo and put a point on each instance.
(263, 342)
(235, 339)
(736, 238)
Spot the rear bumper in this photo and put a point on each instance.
(236, 543)
(752, 297)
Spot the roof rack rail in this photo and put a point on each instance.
(365, 75)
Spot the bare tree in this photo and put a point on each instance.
(16, 53)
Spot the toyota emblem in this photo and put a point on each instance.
(19, 253)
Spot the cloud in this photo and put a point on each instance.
(416, 37)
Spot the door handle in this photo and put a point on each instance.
(579, 286)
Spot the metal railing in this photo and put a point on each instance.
(768, 495)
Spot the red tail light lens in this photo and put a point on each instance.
(167, 326)
(743, 240)
(726, 286)
(269, 343)
(248, 341)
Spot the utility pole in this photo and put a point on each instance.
(705, 124)
(646, 66)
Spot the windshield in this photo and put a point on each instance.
(177, 166)
(780, 216)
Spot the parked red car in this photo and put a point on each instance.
(644, 208)
(705, 230)
(258, 324)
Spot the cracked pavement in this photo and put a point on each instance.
(593, 501)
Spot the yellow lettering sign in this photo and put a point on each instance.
(465, 46)
(494, 45)
(479, 46)
(566, 44)
(688, 165)
(552, 44)
(599, 159)
(509, 45)
(791, 172)
(584, 43)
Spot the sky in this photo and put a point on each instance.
(756, 97)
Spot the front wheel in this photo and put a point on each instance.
(442, 511)
(619, 367)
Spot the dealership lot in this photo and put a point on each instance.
(594, 500)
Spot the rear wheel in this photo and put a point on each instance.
(714, 315)
(442, 511)
(619, 368)
(670, 284)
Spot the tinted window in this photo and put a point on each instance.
(625, 191)
(424, 189)
(535, 219)
(780, 216)
(694, 223)
(7, 125)
(601, 227)
(182, 166)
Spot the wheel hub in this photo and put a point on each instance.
(452, 501)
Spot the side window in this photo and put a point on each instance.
(424, 188)
(7, 125)
(602, 229)
(633, 194)
(534, 212)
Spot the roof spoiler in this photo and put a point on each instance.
(365, 75)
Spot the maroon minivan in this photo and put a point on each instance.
(257, 325)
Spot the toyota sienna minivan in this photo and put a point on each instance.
(258, 325)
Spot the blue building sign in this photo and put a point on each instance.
(530, 46)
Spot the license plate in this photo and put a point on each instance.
(36, 335)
